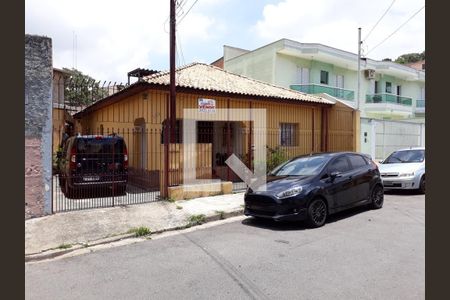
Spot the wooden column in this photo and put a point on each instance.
(228, 138)
(250, 134)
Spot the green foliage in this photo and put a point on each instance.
(196, 220)
(64, 246)
(410, 58)
(82, 89)
(168, 199)
(140, 231)
(275, 157)
(221, 214)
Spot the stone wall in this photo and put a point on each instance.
(38, 125)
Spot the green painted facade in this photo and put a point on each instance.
(273, 64)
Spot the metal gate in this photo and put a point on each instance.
(96, 170)
(100, 177)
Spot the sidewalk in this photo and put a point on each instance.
(91, 226)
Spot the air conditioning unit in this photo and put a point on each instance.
(369, 73)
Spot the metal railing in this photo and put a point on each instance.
(313, 88)
(420, 103)
(388, 98)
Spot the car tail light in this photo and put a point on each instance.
(125, 157)
(73, 158)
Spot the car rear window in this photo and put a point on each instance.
(100, 146)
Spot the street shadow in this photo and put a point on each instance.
(300, 225)
(402, 192)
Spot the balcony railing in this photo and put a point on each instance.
(420, 103)
(340, 93)
(388, 98)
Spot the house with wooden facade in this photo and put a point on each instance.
(297, 123)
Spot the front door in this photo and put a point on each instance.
(341, 187)
(361, 177)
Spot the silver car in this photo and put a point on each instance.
(404, 169)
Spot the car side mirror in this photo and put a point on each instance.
(381, 161)
(335, 174)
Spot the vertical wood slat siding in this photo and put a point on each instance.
(121, 117)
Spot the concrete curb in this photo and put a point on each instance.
(52, 253)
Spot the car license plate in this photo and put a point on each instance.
(388, 184)
(91, 178)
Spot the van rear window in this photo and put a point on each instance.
(100, 146)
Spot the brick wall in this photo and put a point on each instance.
(38, 125)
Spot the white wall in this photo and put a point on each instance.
(385, 136)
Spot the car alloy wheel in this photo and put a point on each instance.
(422, 185)
(317, 213)
(377, 197)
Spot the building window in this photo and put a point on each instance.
(205, 132)
(388, 87)
(288, 134)
(323, 77)
(303, 75)
(178, 131)
(376, 88)
(340, 81)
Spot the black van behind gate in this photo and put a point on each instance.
(93, 171)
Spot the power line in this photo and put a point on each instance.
(370, 31)
(178, 8)
(181, 50)
(395, 31)
(184, 15)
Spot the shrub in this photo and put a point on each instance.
(275, 157)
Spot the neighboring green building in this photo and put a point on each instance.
(388, 90)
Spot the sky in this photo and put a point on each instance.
(114, 37)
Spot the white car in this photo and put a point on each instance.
(404, 169)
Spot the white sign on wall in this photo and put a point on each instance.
(206, 105)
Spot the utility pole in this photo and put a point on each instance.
(172, 72)
(359, 69)
(169, 130)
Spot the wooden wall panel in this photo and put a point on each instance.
(121, 117)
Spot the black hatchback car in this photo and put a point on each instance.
(312, 187)
(92, 163)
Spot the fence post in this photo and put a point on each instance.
(166, 125)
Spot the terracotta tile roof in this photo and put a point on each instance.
(210, 78)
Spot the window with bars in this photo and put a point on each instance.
(178, 131)
(288, 134)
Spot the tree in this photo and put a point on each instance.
(387, 59)
(410, 58)
(82, 89)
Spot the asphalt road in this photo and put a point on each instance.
(360, 254)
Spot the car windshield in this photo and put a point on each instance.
(304, 166)
(405, 156)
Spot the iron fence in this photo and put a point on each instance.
(104, 169)
(100, 177)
